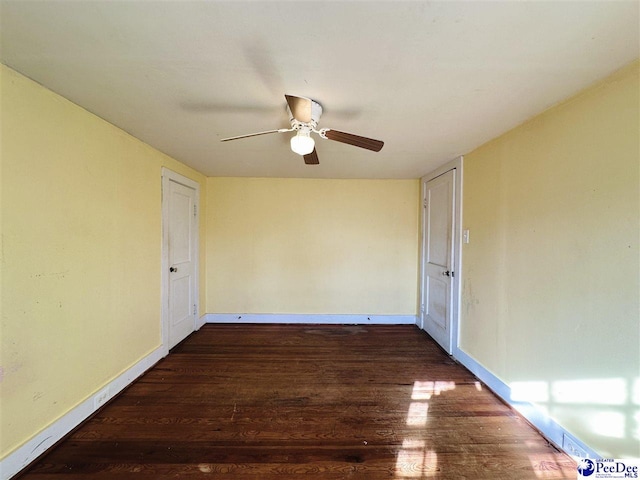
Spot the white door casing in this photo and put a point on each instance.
(440, 254)
(179, 257)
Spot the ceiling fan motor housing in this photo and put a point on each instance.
(316, 113)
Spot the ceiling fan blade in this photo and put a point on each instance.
(228, 108)
(312, 158)
(355, 140)
(300, 108)
(281, 130)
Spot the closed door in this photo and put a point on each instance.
(181, 232)
(437, 254)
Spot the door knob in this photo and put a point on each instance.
(173, 269)
(446, 273)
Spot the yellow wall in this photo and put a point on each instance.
(81, 248)
(312, 246)
(550, 281)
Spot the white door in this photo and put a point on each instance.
(180, 217)
(437, 253)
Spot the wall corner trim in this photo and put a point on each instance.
(200, 322)
(335, 319)
(41, 442)
(552, 431)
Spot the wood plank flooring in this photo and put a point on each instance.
(266, 402)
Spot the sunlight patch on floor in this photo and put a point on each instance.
(545, 465)
(424, 390)
(417, 415)
(415, 461)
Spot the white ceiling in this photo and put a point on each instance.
(431, 79)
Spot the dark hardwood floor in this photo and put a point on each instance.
(266, 402)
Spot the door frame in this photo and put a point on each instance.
(171, 176)
(455, 164)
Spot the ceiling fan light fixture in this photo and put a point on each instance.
(302, 143)
(304, 115)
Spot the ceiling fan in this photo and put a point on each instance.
(304, 115)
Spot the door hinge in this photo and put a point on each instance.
(425, 203)
(195, 210)
(195, 308)
(422, 308)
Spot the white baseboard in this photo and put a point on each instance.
(27, 453)
(310, 319)
(200, 322)
(546, 425)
